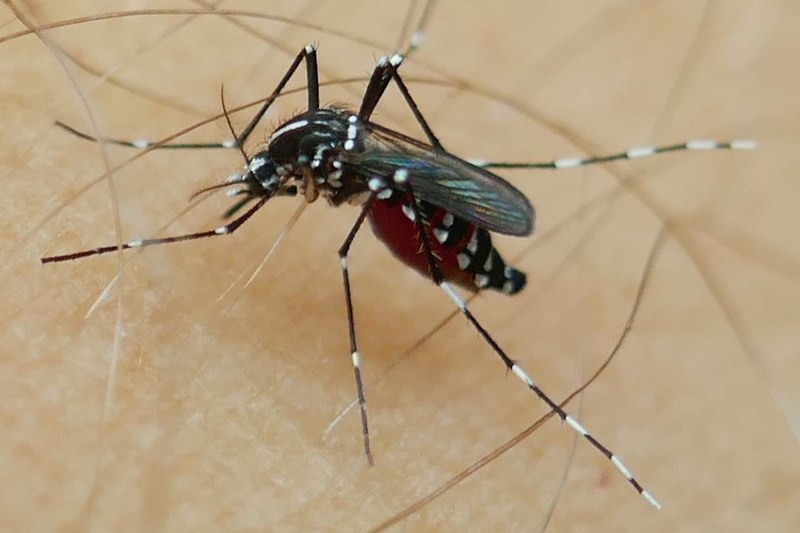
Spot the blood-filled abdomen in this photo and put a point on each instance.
(464, 252)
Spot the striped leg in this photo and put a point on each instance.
(308, 53)
(351, 324)
(633, 153)
(227, 229)
(400, 179)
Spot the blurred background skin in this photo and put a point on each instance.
(218, 407)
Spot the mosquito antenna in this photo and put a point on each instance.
(230, 126)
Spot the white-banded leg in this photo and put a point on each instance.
(227, 229)
(401, 181)
(307, 54)
(351, 324)
(633, 153)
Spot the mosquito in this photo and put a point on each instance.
(434, 210)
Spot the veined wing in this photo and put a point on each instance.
(444, 180)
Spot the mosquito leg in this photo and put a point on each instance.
(401, 181)
(384, 73)
(222, 230)
(376, 86)
(308, 53)
(351, 325)
(394, 64)
(143, 143)
(633, 153)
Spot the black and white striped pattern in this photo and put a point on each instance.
(513, 366)
(479, 257)
(633, 153)
(523, 376)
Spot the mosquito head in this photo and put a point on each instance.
(261, 180)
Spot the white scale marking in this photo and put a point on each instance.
(140, 143)
(478, 162)
(401, 175)
(376, 184)
(287, 128)
(349, 144)
(256, 163)
(230, 143)
(649, 498)
(520, 373)
(447, 220)
(744, 144)
(441, 234)
(576, 426)
(568, 162)
(487, 266)
(385, 194)
(472, 245)
(702, 144)
(481, 280)
(642, 151)
(621, 467)
(463, 261)
(222, 230)
(396, 60)
(135, 244)
(448, 290)
(409, 213)
(356, 359)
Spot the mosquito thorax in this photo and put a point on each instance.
(309, 147)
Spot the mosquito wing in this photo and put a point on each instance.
(444, 180)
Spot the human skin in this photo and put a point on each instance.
(217, 411)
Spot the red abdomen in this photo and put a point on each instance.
(464, 252)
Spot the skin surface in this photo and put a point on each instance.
(218, 409)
